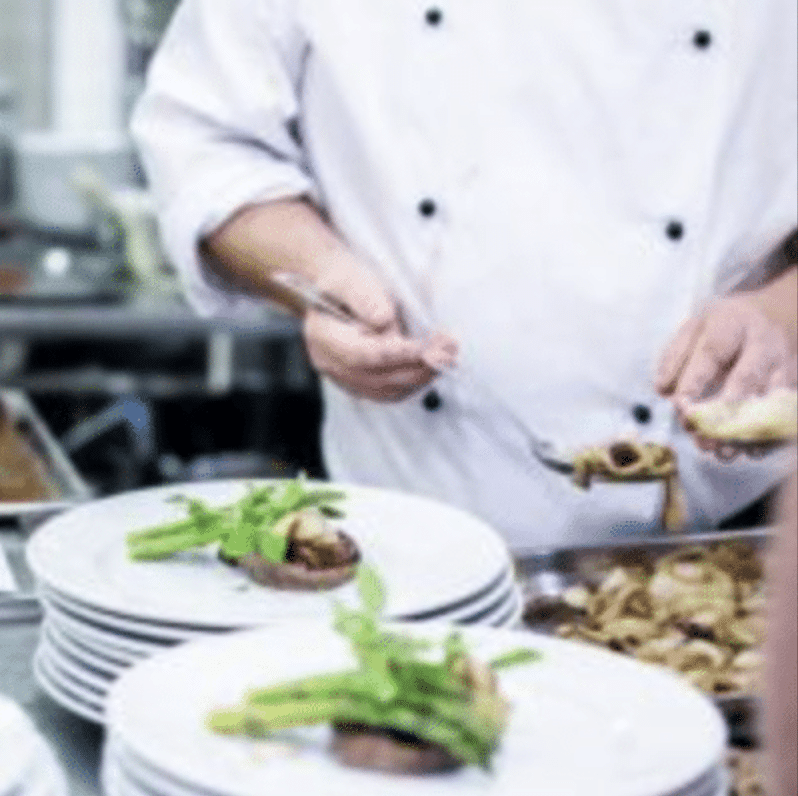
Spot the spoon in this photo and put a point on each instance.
(308, 295)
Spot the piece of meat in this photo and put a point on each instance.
(305, 567)
(389, 751)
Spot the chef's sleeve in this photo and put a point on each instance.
(213, 127)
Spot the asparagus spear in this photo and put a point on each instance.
(452, 702)
(242, 527)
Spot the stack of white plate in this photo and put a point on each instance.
(584, 722)
(104, 612)
(27, 764)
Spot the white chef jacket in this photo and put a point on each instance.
(557, 184)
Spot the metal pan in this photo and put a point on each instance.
(61, 484)
(543, 580)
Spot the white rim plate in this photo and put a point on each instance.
(86, 680)
(147, 779)
(129, 648)
(430, 555)
(469, 609)
(101, 663)
(158, 634)
(66, 693)
(635, 730)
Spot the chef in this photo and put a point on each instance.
(542, 193)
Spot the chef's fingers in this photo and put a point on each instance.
(715, 350)
(786, 375)
(390, 386)
(355, 346)
(761, 356)
(675, 356)
(396, 386)
(384, 367)
(441, 352)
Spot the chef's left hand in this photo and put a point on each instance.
(735, 349)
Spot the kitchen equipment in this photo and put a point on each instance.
(61, 485)
(543, 586)
(8, 131)
(48, 163)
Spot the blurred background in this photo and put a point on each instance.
(94, 331)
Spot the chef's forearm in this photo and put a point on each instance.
(262, 240)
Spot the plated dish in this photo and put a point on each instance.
(433, 557)
(400, 710)
(613, 715)
(105, 611)
(279, 535)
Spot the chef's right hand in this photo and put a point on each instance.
(373, 358)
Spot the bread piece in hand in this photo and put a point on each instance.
(770, 418)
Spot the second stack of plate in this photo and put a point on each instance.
(105, 613)
(582, 722)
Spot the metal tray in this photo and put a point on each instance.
(542, 577)
(67, 485)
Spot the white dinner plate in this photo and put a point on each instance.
(156, 633)
(430, 556)
(127, 648)
(143, 777)
(89, 674)
(125, 775)
(470, 609)
(55, 635)
(89, 681)
(67, 694)
(585, 722)
(509, 618)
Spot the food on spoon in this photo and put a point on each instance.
(624, 460)
(699, 611)
(401, 710)
(631, 461)
(280, 538)
(759, 420)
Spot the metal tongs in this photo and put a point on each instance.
(303, 292)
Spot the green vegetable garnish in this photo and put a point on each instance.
(246, 526)
(453, 701)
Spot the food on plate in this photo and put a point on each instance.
(281, 537)
(402, 710)
(699, 610)
(632, 461)
(758, 420)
